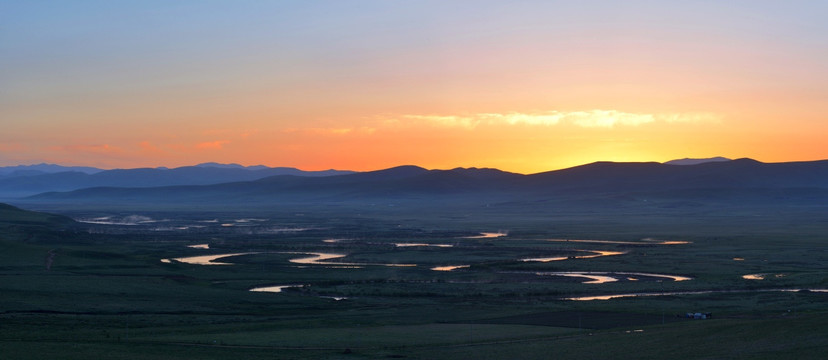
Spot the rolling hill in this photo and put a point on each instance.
(23, 225)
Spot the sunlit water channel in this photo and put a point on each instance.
(646, 241)
(422, 245)
(601, 277)
(668, 293)
(206, 259)
(595, 254)
(274, 289)
(487, 235)
(316, 258)
(450, 267)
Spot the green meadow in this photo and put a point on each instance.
(98, 289)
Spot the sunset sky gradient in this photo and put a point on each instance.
(524, 86)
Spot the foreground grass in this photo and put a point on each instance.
(109, 296)
(803, 337)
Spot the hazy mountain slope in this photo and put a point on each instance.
(689, 161)
(737, 180)
(203, 174)
(28, 170)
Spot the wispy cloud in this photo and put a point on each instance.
(148, 147)
(332, 131)
(212, 145)
(11, 147)
(586, 119)
(608, 118)
(690, 118)
(83, 148)
(451, 121)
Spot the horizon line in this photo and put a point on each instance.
(394, 166)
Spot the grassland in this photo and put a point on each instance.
(106, 294)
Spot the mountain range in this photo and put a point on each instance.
(742, 180)
(27, 180)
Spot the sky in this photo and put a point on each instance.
(523, 86)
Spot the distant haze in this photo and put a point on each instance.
(740, 182)
(18, 181)
(688, 161)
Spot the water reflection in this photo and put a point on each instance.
(672, 277)
(316, 258)
(422, 244)
(754, 277)
(647, 241)
(274, 289)
(596, 279)
(319, 259)
(199, 246)
(547, 259)
(616, 296)
(206, 259)
(449, 268)
(487, 235)
(601, 277)
(595, 254)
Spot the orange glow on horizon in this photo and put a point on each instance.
(419, 83)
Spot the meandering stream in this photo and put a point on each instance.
(616, 296)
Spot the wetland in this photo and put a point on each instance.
(310, 284)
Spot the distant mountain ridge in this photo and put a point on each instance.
(43, 168)
(232, 166)
(19, 181)
(744, 180)
(689, 161)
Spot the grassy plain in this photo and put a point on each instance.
(106, 293)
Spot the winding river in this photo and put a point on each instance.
(595, 254)
(646, 241)
(206, 259)
(601, 277)
(316, 258)
(274, 289)
(616, 296)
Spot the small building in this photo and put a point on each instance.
(699, 316)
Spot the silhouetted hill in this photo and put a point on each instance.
(742, 180)
(735, 174)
